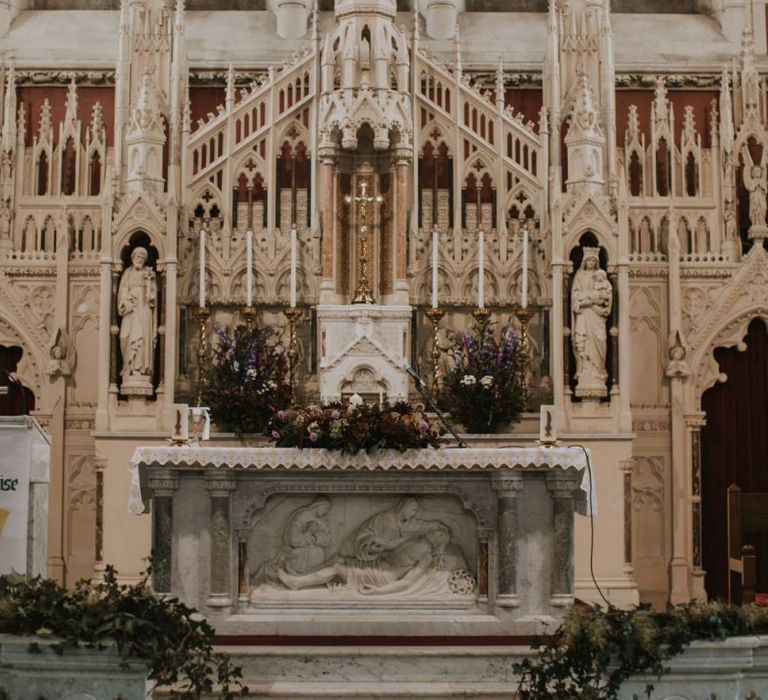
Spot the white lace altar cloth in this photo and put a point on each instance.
(431, 460)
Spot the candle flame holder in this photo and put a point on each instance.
(524, 316)
(435, 315)
(294, 316)
(249, 316)
(201, 314)
(482, 316)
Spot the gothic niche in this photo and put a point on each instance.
(592, 320)
(373, 171)
(352, 548)
(137, 302)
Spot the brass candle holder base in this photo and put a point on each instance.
(524, 316)
(294, 316)
(435, 315)
(249, 315)
(201, 314)
(482, 316)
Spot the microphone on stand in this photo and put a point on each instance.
(421, 387)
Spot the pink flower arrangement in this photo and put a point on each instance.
(353, 427)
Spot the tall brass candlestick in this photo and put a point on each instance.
(249, 315)
(201, 314)
(294, 315)
(482, 317)
(435, 315)
(524, 316)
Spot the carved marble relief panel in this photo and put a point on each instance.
(648, 521)
(85, 341)
(362, 548)
(80, 544)
(647, 344)
(696, 301)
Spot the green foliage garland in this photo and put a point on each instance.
(595, 651)
(172, 638)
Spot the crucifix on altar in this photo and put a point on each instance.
(363, 199)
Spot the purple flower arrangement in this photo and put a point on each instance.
(247, 382)
(353, 427)
(482, 389)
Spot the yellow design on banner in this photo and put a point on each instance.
(3, 517)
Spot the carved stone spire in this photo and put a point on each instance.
(72, 102)
(750, 80)
(145, 139)
(9, 113)
(370, 49)
(727, 130)
(585, 141)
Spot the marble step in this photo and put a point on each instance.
(379, 672)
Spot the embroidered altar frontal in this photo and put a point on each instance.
(269, 541)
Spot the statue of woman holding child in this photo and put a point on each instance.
(591, 304)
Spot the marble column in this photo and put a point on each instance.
(561, 487)
(220, 487)
(99, 566)
(485, 565)
(626, 471)
(695, 422)
(114, 332)
(401, 220)
(507, 487)
(243, 567)
(328, 181)
(162, 484)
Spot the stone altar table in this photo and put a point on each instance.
(269, 541)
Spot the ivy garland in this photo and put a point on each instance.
(173, 640)
(594, 651)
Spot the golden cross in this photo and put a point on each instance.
(363, 291)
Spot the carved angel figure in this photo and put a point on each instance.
(754, 181)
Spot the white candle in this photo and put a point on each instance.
(481, 270)
(294, 246)
(525, 268)
(202, 267)
(249, 273)
(435, 243)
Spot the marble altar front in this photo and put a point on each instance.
(272, 541)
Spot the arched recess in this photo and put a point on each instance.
(144, 240)
(734, 446)
(589, 239)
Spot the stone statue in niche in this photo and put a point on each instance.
(754, 182)
(394, 551)
(136, 305)
(591, 304)
(427, 563)
(307, 542)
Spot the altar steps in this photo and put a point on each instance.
(378, 672)
(736, 668)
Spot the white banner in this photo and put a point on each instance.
(14, 500)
